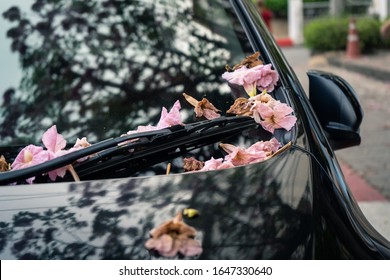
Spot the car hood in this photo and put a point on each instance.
(256, 211)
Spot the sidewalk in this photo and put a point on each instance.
(370, 70)
(375, 65)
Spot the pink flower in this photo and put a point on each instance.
(170, 119)
(260, 76)
(258, 152)
(240, 156)
(269, 78)
(246, 77)
(29, 156)
(264, 97)
(55, 145)
(80, 144)
(269, 147)
(237, 156)
(212, 164)
(226, 164)
(143, 128)
(53, 141)
(274, 115)
(167, 119)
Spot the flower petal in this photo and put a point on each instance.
(190, 248)
(52, 140)
(170, 118)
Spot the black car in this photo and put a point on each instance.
(137, 186)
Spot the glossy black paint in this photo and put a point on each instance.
(261, 211)
(334, 202)
(295, 205)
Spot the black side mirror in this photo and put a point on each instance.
(337, 108)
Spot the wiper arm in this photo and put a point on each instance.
(163, 147)
(113, 155)
(25, 173)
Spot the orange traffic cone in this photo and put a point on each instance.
(353, 48)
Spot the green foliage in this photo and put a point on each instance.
(329, 34)
(326, 34)
(278, 7)
(369, 33)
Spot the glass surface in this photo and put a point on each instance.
(101, 68)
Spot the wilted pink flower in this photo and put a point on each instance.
(173, 237)
(170, 118)
(143, 128)
(212, 164)
(269, 78)
(29, 156)
(264, 97)
(81, 143)
(260, 76)
(237, 156)
(240, 156)
(269, 147)
(274, 115)
(226, 164)
(246, 77)
(55, 145)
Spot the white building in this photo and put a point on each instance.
(380, 8)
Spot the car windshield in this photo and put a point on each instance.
(98, 69)
(101, 68)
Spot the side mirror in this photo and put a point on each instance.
(337, 108)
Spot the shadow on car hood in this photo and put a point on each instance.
(255, 211)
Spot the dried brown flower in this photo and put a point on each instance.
(249, 62)
(203, 108)
(4, 165)
(192, 164)
(173, 237)
(241, 107)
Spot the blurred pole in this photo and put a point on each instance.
(295, 21)
(336, 7)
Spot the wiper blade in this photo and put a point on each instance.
(163, 147)
(115, 156)
(25, 173)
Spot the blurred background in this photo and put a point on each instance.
(323, 25)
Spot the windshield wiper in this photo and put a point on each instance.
(127, 154)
